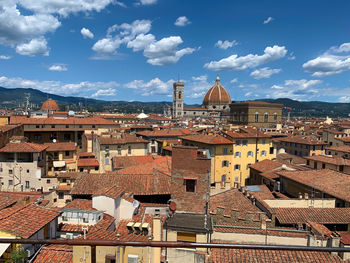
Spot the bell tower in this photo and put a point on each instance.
(178, 100)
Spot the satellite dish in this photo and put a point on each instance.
(172, 206)
(135, 204)
(54, 140)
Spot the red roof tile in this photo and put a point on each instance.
(82, 204)
(60, 146)
(207, 139)
(55, 254)
(23, 147)
(124, 139)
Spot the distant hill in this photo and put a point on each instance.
(16, 98)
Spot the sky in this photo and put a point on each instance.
(133, 50)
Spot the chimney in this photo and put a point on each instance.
(335, 242)
(300, 195)
(306, 196)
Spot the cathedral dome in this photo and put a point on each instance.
(50, 104)
(217, 95)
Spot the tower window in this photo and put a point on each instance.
(190, 185)
(256, 117)
(180, 95)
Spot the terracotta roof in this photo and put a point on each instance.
(256, 103)
(23, 147)
(28, 220)
(300, 140)
(221, 255)
(87, 162)
(319, 229)
(64, 188)
(217, 95)
(89, 184)
(207, 139)
(70, 175)
(127, 161)
(342, 148)
(82, 204)
(244, 135)
(328, 181)
(124, 139)
(111, 191)
(317, 215)
(293, 158)
(344, 139)
(337, 160)
(266, 165)
(230, 200)
(55, 253)
(345, 237)
(50, 104)
(60, 146)
(64, 121)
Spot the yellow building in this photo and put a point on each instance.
(232, 153)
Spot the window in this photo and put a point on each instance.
(0, 170)
(180, 95)
(223, 178)
(67, 126)
(37, 126)
(266, 117)
(248, 166)
(250, 154)
(81, 169)
(275, 116)
(263, 141)
(37, 137)
(10, 182)
(225, 163)
(153, 149)
(10, 171)
(263, 153)
(27, 185)
(237, 154)
(86, 220)
(225, 151)
(27, 171)
(235, 116)
(107, 161)
(190, 185)
(66, 153)
(236, 179)
(80, 126)
(272, 150)
(237, 167)
(256, 117)
(129, 149)
(60, 195)
(242, 116)
(245, 142)
(238, 142)
(67, 137)
(323, 166)
(307, 162)
(48, 181)
(53, 126)
(313, 148)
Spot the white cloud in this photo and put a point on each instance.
(82, 89)
(162, 52)
(234, 80)
(182, 21)
(153, 87)
(226, 44)
(20, 28)
(4, 57)
(345, 99)
(104, 93)
(295, 89)
(345, 47)
(86, 33)
(291, 56)
(268, 20)
(119, 3)
(58, 67)
(35, 47)
(235, 62)
(264, 73)
(148, 2)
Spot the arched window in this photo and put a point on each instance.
(250, 154)
(237, 154)
(237, 167)
(180, 95)
(263, 153)
(275, 116)
(235, 116)
(242, 116)
(266, 117)
(256, 116)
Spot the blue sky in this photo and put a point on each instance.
(135, 50)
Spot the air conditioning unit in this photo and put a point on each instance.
(133, 259)
(130, 227)
(145, 229)
(137, 227)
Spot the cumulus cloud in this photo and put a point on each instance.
(295, 89)
(104, 93)
(330, 63)
(135, 36)
(197, 86)
(84, 88)
(4, 57)
(86, 33)
(226, 44)
(18, 28)
(153, 87)
(36, 46)
(268, 20)
(345, 99)
(58, 67)
(235, 62)
(182, 21)
(264, 73)
(148, 2)
(234, 80)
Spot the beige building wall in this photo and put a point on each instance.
(300, 203)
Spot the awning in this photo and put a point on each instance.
(3, 248)
(59, 164)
